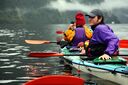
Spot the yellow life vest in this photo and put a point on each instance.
(70, 33)
(88, 31)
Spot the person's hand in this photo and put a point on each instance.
(72, 26)
(83, 51)
(81, 44)
(105, 57)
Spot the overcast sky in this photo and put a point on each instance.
(21, 8)
(64, 5)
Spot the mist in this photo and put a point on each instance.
(63, 11)
(64, 5)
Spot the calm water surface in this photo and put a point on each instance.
(16, 68)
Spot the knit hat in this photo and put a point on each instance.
(80, 19)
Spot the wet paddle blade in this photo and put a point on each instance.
(44, 54)
(38, 41)
(59, 32)
(123, 43)
(51, 54)
(55, 54)
(56, 80)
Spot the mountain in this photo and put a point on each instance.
(36, 11)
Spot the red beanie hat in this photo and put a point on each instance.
(80, 19)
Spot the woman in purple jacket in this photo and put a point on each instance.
(104, 42)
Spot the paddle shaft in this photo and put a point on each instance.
(52, 42)
(122, 43)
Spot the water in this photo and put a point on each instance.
(16, 68)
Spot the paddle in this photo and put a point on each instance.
(58, 80)
(59, 32)
(56, 54)
(61, 43)
(122, 43)
(39, 41)
(50, 54)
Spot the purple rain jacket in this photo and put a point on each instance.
(103, 34)
(80, 36)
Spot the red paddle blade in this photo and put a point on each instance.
(59, 31)
(123, 43)
(56, 80)
(44, 54)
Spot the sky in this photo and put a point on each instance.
(65, 5)
(117, 7)
(39, 9)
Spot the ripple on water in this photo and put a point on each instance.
(15, 47)
(25, 66)
(7, 62)
(25, 49)
(10, 49)
(9, 54)
(3, 43)
(8, 72)
(7, 81)
(12, 44)
(17, 62)
(4, 60)
(25, 77)
(9, 66)
(10, 81)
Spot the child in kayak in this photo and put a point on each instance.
(77, 32)
(104, 42)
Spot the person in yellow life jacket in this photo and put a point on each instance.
(78, 32)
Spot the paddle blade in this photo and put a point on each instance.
(45, 54)
(123, 43)
(56, 80)
(59, 31)
(37, 41)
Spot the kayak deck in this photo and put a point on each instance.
(115, 67)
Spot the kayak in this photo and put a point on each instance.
(115, 72)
